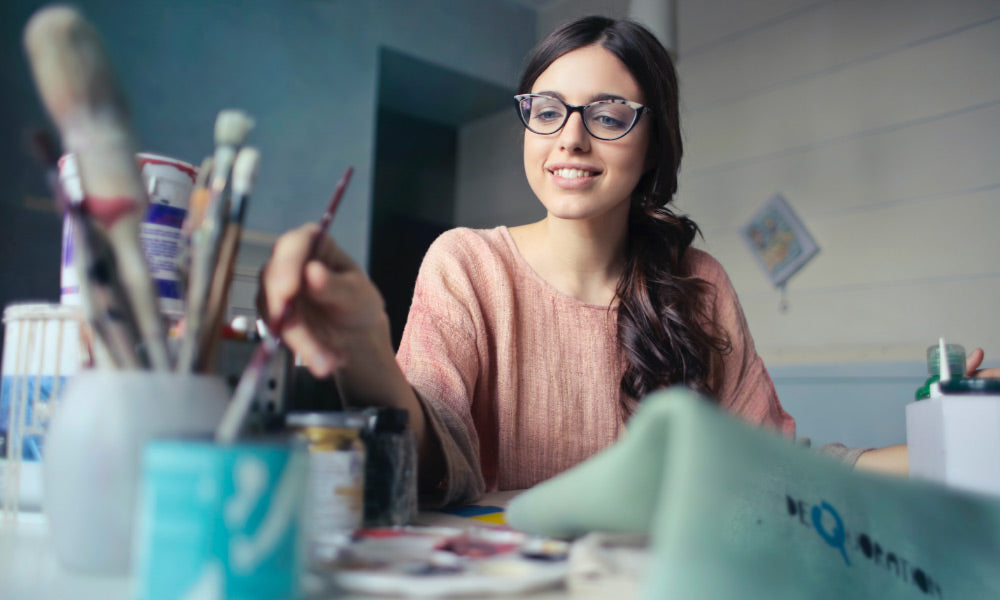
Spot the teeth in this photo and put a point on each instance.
(572, 173)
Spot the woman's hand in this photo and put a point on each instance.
(338, 325)
(339, 313)
(972, 363)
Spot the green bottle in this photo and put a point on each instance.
(956, 364)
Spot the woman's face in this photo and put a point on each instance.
(575, 175)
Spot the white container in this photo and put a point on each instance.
(42, 348)
(954, 438)
(169, 183)
(94, 453)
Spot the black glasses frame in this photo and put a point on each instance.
(570, 109)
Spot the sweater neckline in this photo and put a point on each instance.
(524, 267)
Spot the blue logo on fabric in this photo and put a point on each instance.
(836, 538)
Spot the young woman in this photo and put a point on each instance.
(526, 349)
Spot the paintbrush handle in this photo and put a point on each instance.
(324, 224)
(205, 243)
(218, 298)
(79, 90)
(246, 391)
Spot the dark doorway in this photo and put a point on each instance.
(422, 106)
(414, 202)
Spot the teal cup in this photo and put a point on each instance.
(220, 521)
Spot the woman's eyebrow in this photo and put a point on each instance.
(551, 94)
(594, 98)
(599, 97)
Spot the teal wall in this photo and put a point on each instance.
(856, 404)
(306, 69)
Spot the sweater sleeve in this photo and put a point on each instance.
(743, 384)
(439, 356)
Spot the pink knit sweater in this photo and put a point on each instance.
(520, 381)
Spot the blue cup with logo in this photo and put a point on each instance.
(220, 521)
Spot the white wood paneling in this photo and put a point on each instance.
(710, 23)
(879, 121)
(936, 78)
(825, 36)
(929, 160)
(857, 249)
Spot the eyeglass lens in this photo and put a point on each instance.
(606, 119)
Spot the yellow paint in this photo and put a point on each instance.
(494, 518)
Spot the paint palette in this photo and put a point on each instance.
(446, 562)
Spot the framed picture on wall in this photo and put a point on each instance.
(778, 240)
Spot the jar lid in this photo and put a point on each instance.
(390, 420)
(971, 386)
(353, 420)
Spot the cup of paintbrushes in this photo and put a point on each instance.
(93, 455)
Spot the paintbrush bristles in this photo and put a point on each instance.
(69, 65)
(79, 90)
(232, 127)
(245, 170)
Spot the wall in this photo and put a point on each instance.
(307, 71)
(879, 122)
(491, 188)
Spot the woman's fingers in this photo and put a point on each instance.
(282, 276)
(333, 303)
(973, 362)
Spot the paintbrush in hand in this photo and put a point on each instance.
(253, 375)
(77, 86)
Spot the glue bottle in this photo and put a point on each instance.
(955, 363)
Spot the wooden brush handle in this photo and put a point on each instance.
(78, 88)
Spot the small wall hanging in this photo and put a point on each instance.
(780, 242)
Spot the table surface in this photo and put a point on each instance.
(29, 568)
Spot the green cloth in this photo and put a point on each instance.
(737, 512)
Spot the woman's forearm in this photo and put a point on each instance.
(891, 460)
(370, 376)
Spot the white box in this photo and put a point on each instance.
(955, 440)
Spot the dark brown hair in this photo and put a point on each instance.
(665, 329)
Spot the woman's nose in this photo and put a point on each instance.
(573, 137)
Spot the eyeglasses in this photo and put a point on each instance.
(605, 119)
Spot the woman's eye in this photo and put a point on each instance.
(548, 115)
(609, 121)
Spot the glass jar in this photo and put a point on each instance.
(335, 500)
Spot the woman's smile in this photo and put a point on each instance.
(573, 177)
